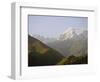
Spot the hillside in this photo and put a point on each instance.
(73, 60)
(40, 54)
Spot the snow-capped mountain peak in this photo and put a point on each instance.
(70, 33)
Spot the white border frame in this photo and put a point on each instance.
(19, 18)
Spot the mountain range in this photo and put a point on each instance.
(71, 47)
(73, 41)
(39, 54)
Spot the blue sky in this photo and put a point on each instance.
(52, 26)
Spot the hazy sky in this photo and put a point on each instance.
(51, 26)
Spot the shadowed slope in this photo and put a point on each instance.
(40, 54)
